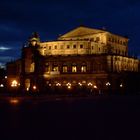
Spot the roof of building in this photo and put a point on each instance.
(81, 31)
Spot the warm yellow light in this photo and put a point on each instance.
(58, 84)
(27, 89)
(94, 86)
(79, 84)
(34, 88)
(1, 85)
(14, 101)
(108, 84)
(69, 87)
(89, 84)
(14, 83)
(68, 84)
(121, 85)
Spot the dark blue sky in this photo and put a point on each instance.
(18, 19)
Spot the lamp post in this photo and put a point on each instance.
(108, 84)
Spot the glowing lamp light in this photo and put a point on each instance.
(79, 84)
(58, 84)
(27, 89)
(95, 86)
(34, 87)
(1, 85)
(108, 84)
(14, 83)
(14, 101)
(89, 84)
(68, 84)
(69, 87)
(121, 85)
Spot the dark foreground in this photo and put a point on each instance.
(96, 117)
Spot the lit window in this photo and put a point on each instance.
(55, 68)
(83, 69)
(65, 69)
(74, 69)
(32, 67)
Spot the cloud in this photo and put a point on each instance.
(2, 48)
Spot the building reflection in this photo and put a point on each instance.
(14, 101)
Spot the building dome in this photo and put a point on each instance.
(34, 39)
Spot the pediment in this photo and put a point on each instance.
(80, 31)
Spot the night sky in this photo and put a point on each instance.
(18, 19)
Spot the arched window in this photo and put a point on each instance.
(32, 67)
(65, 67)
(83, 67)
(74, 67)
(55, 67)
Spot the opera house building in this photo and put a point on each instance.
(82, 57)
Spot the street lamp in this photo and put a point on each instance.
(14, 83)
(108, 84)
(34, 87)
(89, 84)
(121, 85)
(68, 85)
(95, 87)
(79, 84)
(1, 85)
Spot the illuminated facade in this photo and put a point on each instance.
(83, 56)
(87, 41)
